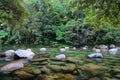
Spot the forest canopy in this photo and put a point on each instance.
(12, 12)
(50, 22)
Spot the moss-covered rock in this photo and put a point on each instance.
(116, 69)
(92, 69)
(117, 76)
(55, 68)
(23, 74)
(45, 70)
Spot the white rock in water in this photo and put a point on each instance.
(112, 46)
(67, 48)
(29, 49)
(60, 56)
(91, 55)
(62, 50)
(9, 53)
(74, 48)
(84, 48)
(1, 25)
(94, 49)
(95, 55)
(99, 55)
(43, 50)
(113, 51)
(11, 67)
(24, 53)
(97, 50)
(103, 46)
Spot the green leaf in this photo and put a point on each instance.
(2, 33)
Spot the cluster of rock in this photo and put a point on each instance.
(44, 67)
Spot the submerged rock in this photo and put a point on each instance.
(39, 60)
(92, 69)
(116, 69)
(45, 70)
(117, 76)
(11, 67)
(45, 77)
(55, 68)
(69, 77)
(23, 74)
(68, 68)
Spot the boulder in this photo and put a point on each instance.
(11, 67)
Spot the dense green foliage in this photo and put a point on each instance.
(73, 22)
(12, 12)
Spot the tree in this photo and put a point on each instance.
(109, 9)
(13, 13)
